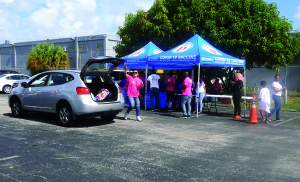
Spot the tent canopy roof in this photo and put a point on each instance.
(138, 58)
(194, 51)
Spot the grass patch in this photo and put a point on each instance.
(293, 99)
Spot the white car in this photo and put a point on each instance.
(7, 80)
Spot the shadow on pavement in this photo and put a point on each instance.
(49, 118)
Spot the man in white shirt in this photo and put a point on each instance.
(154, 89)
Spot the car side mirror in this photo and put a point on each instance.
(24, 84)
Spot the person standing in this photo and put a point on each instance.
(154, 89)
(277, 88)
(264, 98)
(124, 85)
(142, 90)
(170, 89)
(201, 93)
(237, 86)
(186, 95)
(134, 84)
(216, 87)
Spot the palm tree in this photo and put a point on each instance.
(47, 56)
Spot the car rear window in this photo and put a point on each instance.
(99, 67)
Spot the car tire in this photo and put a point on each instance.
(65, 115)
(16, 108)
(108, 117)
(6, 89)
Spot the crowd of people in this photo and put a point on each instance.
(134, 88)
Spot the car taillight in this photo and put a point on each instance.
(82, 90)
(121, 90)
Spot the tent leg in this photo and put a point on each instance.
(245, 87)
(145, 85)
(198, 84)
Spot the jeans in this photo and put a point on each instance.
(134, 101)
(154, 92)
(201, 96)
(277, 102)
(186, 100)
(126, 98)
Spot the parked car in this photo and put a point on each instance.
(18, 82)
(2, 72)
(7, 80)
(71, 94)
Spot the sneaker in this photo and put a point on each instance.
(126, 116)
(184, 116)
(188, 116)
(152, 110)
(138, 118)
(237, 117)
(233, 116)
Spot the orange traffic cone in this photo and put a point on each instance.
(253, 116)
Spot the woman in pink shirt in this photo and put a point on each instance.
(134, 84)
(186, 95)
(170, 89)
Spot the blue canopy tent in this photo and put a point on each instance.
(196, 51)
(138, 59)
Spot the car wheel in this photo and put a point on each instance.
(16, 108)
(65, 114)
(6, 89)
(108, 117)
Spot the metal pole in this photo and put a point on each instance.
(76, 52)
(245, 86)
(198, 84)
(146, 92)
(15, 57)
(285, 93)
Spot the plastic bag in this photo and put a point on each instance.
(102, 94)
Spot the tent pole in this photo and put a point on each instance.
(193, 74)
(146, 85)
(245, 87)
(198, 84)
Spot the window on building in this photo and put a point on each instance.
(71, 47)
(81, 47)
(100, 45)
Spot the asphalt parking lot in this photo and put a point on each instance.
(163, 147)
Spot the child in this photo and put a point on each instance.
(264, 98)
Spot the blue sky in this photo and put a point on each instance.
(290, 9)
(29, 20)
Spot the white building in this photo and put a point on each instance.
(14, 55)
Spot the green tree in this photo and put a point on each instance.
(249, 29)
(47, 56)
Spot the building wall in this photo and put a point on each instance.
(289, 76)
(14, 56)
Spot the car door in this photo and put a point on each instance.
(100, 66)
(51, 93)
(31, 96)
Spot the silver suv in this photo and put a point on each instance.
(71, 94)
